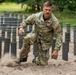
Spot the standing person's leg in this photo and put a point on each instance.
(28, 40)
(43, 54)
(43, 58)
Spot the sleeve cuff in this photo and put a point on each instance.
(20, 27)
(56, 48)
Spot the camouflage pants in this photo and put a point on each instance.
(43, 54)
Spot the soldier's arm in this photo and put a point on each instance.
(29, 21)
(58, 34)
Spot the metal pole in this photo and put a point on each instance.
(67, 39)
(65, 51)
(6, 45)
(14, 48)
(0, 46)
(74, 40)
(68, 30)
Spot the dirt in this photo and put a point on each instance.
(54, 67)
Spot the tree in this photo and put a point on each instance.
(36, 5)
(2, 1)
(10, 0)
(61, 4)
(72, 5)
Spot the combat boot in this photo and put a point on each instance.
(34, 60)
(21, 60)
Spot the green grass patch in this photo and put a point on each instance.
(11, 7)
(70, 21)
(66, 17)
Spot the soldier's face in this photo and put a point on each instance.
(47, 11)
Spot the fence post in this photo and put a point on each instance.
(0, 46)
(16, 16)
(3, 28)
(20, 37)
(8, 29)
(6, 45)
(74, 40)
(65, 51)
(13, 31)
(1, 19)
(67, 39)
(68, 30)
(14, 48)
(6, 14)
(13, 43)
(12, 15)
(21, 16)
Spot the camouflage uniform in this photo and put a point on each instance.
(43, 36)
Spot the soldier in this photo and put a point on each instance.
(46, 27)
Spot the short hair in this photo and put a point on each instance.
(47, 3)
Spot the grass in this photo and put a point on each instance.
(10, 7)
(70, 21)
(65, 16)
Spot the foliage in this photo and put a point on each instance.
(69, 4)
(36, 5)
(72, 5)
(2, 1)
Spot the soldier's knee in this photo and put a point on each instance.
(30, 38)
(26, 40)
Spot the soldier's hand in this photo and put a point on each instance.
(21, 31)
(55, 54)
